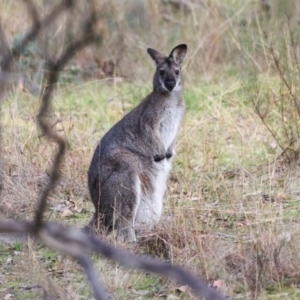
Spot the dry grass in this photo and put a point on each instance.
(231, 213)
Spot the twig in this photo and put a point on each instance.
(280, 72)
(71, 241)
(74, 242)
(53, 73)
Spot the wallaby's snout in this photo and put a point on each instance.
(170, 84)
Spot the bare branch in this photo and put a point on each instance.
(74, 242)
(69, 246)
(33, 12)
(92, 277)
(5, 52)
(284, 80)
(32, 34)
(13, 226)
(53, 73)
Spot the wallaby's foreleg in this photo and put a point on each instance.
(160, 151)
(153, 137)
(160, 148)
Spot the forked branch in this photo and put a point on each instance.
(71, 241)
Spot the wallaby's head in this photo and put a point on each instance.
(168, 68)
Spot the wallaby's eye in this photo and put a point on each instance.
(177, 72)
(161, 72)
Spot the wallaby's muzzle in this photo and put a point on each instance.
(170, 84)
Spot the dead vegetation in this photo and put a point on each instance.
(231, 214)
(70, 241)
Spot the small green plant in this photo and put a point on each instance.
(18, 246)
(48, 256)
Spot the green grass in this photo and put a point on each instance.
(232, 209)
(225, 196)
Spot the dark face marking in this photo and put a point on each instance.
(168, 75)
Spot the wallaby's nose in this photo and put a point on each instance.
(170, 84)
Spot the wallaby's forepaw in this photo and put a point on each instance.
(169, 155)
(158, 157)
(170, 152)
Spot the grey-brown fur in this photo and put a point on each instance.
(128, 173)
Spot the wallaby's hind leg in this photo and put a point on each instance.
(120, 199)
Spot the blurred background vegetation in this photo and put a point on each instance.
(220, 34)
(226, 39)
(230, 39)
(232, 213)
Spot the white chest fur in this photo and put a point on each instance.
(171, 120)
(149, 206)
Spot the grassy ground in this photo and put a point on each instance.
(232, 210)
(230, 214)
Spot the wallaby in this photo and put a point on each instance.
(129, 170)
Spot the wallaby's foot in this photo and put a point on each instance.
(91, 228)
(158, 157)
(126, 235)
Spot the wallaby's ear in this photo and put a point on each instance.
(156, 56)
(178, 53)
